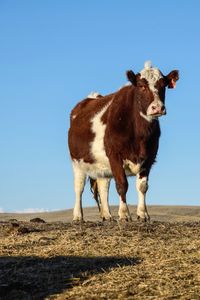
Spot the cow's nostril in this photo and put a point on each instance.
(153, 107)
(162, 108)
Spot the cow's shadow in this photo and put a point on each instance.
(36, 277)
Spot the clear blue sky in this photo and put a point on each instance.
(54, 53)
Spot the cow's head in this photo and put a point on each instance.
(150, 86)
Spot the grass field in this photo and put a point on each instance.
(101, 260)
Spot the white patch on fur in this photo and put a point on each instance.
(93, 95)
(101, 168)
(127, 83)
(97, 145)
(148, 118)
(147, 64)
(95, 170)
(73, 117)
(131, 168)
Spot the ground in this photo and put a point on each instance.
(101, 260)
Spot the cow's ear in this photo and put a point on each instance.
(171, 79)
(131, 76)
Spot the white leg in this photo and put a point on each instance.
(142, 187)
(123, 210)
(103, 188)
(79, 183)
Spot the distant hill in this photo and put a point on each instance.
(157, 213)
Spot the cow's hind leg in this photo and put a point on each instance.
(103, 188)
(79, 183)
(121, 186)
(142, 187)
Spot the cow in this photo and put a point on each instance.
(116, 136)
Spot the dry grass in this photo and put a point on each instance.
(98, 260)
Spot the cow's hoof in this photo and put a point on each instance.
(106, 216)
(78, 221)
(107, 219)
(125, 219)
(145, 218)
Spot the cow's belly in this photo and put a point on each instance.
(101, 168)
(94, 170)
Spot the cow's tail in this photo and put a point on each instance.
(95, 191)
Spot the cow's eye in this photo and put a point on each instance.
(143, 87)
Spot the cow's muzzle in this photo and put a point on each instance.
(156, 109)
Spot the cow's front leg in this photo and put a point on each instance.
(142, 187)
(121, 186)
(79, 182)
(123, 212)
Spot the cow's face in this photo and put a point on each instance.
(150, 86)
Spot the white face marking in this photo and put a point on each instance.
(152, 75)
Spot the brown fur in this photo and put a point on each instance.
(127, 134)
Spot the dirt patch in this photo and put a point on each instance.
(98, 260)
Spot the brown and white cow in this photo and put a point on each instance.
(117, 135)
